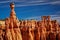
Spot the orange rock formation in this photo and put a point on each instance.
(46, 29)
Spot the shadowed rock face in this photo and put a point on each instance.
(46, 29)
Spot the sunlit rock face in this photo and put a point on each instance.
(46, 29)
(12, 26)
(1, 33)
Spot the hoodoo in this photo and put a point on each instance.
(13, 23)
(45, 29)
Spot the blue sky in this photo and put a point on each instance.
(31, 9)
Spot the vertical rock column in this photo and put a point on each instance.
(8, 34)
(13, 25)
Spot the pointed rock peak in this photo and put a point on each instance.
(12, 14)
(12, 5)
